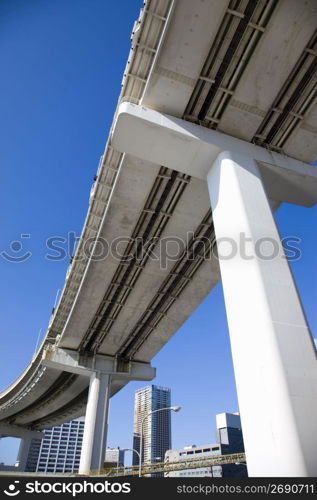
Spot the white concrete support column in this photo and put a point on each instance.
(273, 353)
(23, 452)
(95, 431)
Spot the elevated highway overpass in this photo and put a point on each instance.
(220, 73)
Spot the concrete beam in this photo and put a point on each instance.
(175, 143)
(17, 431)
(73, 362)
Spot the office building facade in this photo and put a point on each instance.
(114, 457)
(156, 427)
(194, 452)
(59, 450)
(230, 440)
(229, 432)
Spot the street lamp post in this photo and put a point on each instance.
(133, 451)
(173, 408)
(118, 461)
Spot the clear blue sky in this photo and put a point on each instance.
(62, 63)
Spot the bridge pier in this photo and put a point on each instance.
(106, 375)
(26, 436)
(23, 452)
(96, 423)
(273, 352)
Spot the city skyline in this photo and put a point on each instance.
(47, 140)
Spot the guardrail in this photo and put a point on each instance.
(192, 463)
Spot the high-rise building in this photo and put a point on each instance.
(156, 427)
(59, 450)
(230, 437)
(229, 431)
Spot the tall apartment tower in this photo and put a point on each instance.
(59, 450)
(156, 428)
